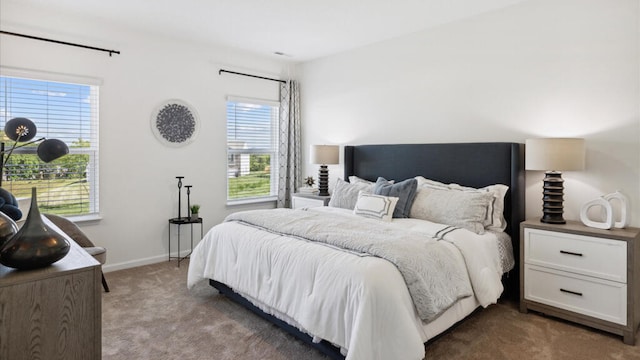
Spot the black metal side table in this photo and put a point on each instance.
(179, 222)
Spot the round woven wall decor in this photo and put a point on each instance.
(175, 123)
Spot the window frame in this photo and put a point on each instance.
(274, 152)
(94, 84)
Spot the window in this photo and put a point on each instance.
(252, 149)
(67, 111)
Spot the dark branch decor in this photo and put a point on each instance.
(36, 244)
(23, 130)
(175, 123)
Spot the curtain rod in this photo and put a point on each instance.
(60, 42)
(249, 75)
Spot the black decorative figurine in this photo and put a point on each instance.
(188, 200)
(179, 195)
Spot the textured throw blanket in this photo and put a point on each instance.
(428, 267)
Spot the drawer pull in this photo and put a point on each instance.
(571, 292)
(570, 253)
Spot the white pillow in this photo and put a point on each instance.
(356, 180)
(375, 206)
(463, 209)
(495, 211)
(431, 183)
(345, 195)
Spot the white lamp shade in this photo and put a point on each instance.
(324, 154)
(562, 154)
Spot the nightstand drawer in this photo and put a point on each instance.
(601, 299)
(602, 258)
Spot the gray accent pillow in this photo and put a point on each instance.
(452, 207)
(345, 195)
(405, 191)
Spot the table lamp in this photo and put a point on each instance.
(554, 155)
(324, 155)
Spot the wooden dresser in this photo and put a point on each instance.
(53, 313)
(585, 275)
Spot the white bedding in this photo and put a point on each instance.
(359, 303)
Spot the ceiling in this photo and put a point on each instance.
(300, 29)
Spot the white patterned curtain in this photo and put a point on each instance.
(289, 147)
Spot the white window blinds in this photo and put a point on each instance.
(67, 111)
(252, 149)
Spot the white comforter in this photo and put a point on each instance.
(359, 303)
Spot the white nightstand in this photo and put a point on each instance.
(300, 200)
(585, 275)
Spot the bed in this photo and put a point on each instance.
(357, 306)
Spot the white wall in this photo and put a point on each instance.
(544, 68)
(541, 68)
(138, 189)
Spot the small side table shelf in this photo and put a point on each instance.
(178, 222)
(581, 274)
(302, 200)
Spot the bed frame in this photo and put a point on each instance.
(469, 164)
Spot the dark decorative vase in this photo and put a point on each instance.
(36, 245)
(8, 228)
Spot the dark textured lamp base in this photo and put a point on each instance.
(552, 198)
(323, 181)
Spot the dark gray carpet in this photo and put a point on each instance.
(150, 314)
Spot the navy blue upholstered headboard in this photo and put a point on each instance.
(468, 164)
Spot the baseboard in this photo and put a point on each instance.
(138, 262)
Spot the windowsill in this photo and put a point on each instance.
(85, 218)
(25, 203)
(252, 201)
(75, 219)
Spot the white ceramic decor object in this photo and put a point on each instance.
(624, 208)
(607, 209)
